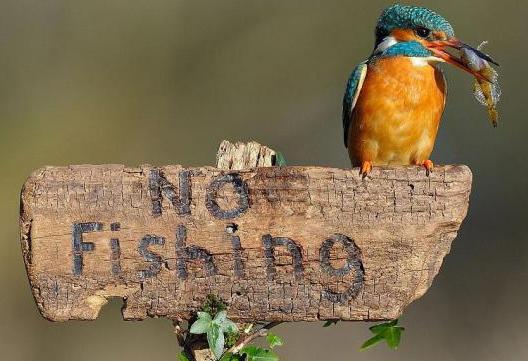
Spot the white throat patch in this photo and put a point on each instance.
(385, 44)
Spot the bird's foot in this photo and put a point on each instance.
(428, 165)
(365, 169)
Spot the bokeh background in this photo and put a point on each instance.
(164, 81)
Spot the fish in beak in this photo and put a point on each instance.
(471, 60)
(474, 61)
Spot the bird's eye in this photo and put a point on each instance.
(423, 32)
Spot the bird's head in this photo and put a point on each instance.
(417, 31)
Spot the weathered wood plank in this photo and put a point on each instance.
(240, 155)
(276, 243)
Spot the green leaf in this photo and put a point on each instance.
(254, 353)
(274, 340)
(371, 342)
(378, 328)
(225, 324)
(183, 357)
(383, 326)
(393, 336)
(280, 161)
(204, 315)
(388, 331)
(330, 323)
(215, 329)
(202, 324)
(229, 326)
(220, 317)
(215, 340)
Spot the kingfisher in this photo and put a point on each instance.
(394, 100)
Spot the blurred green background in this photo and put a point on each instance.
(164, 82)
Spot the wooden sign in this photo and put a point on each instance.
(275, 243)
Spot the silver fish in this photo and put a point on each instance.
(486, 92)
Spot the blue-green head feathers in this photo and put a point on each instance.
(410, 17)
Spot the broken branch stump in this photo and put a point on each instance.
(275, 243)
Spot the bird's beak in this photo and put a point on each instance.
(439, 49)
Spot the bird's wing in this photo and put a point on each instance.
(353, 88)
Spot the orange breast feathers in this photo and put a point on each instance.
(397, 113)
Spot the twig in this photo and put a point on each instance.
(244, 340)
(180, 333)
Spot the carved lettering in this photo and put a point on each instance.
(237, 250)
(189, 253)
(79, 247)
(155, 260)
(353, 263)
(241, 190)
(186, 253)
(159, 186)
(270, 243)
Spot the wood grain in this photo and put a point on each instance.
(240, 155)
(275, 243)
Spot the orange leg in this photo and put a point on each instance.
(366, 167)
(428, 165)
